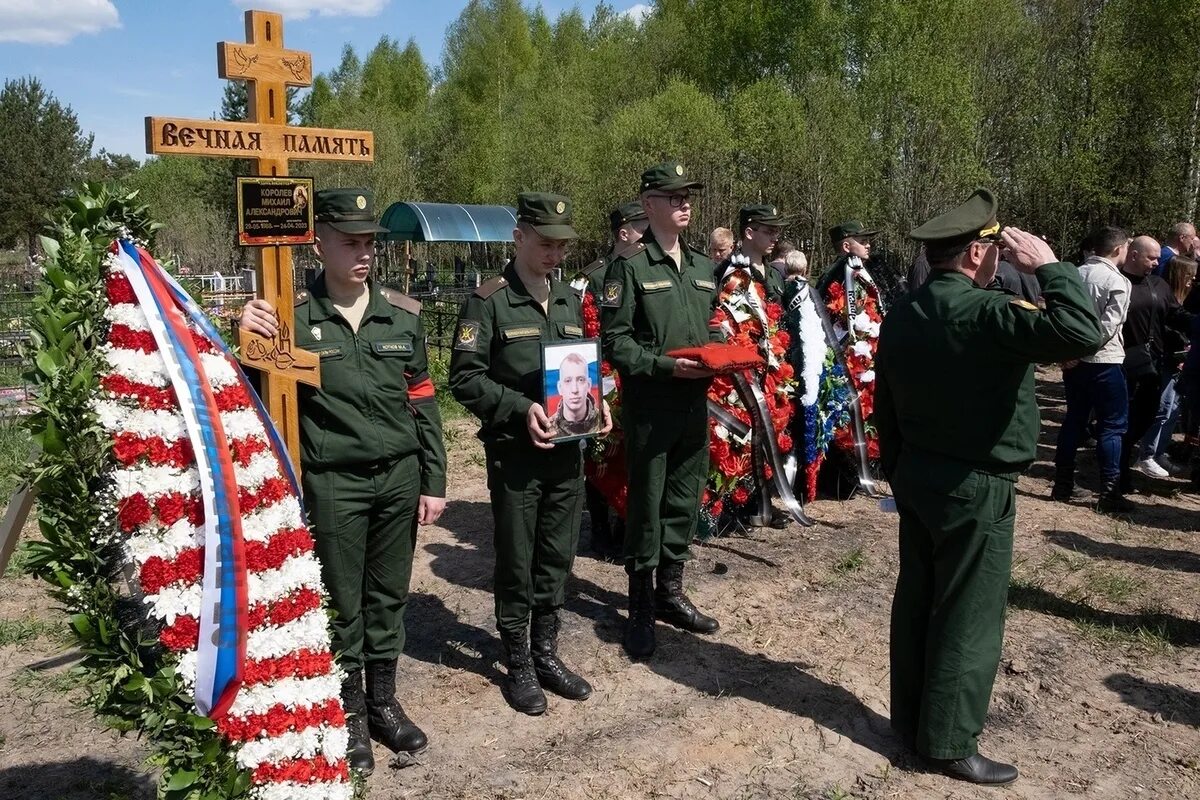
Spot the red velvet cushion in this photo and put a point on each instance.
(721, 356)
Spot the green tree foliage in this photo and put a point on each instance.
(42, 151)
(1078, 112)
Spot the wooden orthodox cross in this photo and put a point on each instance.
(265, 137)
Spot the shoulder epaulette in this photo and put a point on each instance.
(491, 286)
(401, 301)
(631, 251)
(301, 297)
(592, 267)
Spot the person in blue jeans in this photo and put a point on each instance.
(1096, 383)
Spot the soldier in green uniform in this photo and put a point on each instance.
(958, 422)
(657, 298)
(627, 222)
(373, 463)
(536, 486)
(850, 240)
(759, 227)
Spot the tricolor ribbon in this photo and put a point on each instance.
(221, 650)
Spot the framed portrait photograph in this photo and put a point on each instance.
(571, 375)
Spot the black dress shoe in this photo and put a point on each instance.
(976, 769)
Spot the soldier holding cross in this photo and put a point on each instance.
(373, 458)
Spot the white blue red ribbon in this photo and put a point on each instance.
(221, 649)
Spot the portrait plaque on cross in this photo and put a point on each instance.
(266, 138)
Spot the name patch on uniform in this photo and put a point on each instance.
(467, 337)
(526, 332)
(1025, 304)
(704, 284)
(612, 294)
(655, 286)
(572, 330)
(328, 352)
(392, 348)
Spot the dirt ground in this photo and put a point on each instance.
(1098, 694)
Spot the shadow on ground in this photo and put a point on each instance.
(1158, 557)
(1174, 703)
(1176, 631)
(78, 779)
(706, 665)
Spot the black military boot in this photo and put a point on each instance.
(639, 629)
(674, 606)
(388, 723)
(521, 688)
(358, 748)
(1113, 501)
(1063, 489)
(552, 673)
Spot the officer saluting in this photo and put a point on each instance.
(536, 487)
(656, 298)
(958, 422)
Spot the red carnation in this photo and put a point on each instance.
(740, 495)
(785, 443)
(118, 289)
(133, 511)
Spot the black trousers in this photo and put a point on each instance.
(1144, 394)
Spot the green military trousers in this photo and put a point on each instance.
(537, 502)
(956, 544)
(364, 522)
(666, 452)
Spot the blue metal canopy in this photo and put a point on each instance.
(447, 222)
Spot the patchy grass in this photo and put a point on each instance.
(19, 562)
(849, 563)
(1115, 587)
(35, 683)
(15, 448)
(23, 631)
(1150, 629)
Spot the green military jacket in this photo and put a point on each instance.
(376, 401)
(954, 369)
(591, 277)
(496, 363)
(650, 307)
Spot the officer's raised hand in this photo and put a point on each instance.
(1025, 251)
(690, 368)
(258, 317)
(541, 429)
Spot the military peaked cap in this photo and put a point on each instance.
(350, 211)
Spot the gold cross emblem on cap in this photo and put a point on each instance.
(679, 169)
(361, 202)
(561, 207)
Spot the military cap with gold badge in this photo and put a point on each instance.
(761, 214)
(625, 213)
(668, 176)
(949, 234)
(350, 211)
(548, 214)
